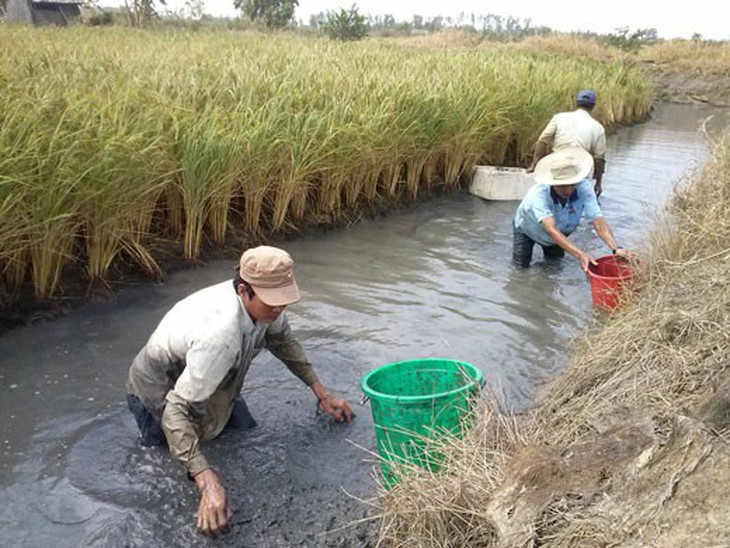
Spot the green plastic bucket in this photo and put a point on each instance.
(415, 402)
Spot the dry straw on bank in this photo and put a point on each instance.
(629, 447)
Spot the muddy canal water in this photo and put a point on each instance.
(433, 280)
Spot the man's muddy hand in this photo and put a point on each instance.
(214, 512)
(337, 408)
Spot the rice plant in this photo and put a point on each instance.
(113, 139)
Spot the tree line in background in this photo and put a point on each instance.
(272, 13)
(350, 24)
(490, 25)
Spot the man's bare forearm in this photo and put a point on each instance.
(605, 233)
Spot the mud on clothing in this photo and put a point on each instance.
(193, 365)
(575, 129)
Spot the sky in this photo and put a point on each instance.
(671, 19)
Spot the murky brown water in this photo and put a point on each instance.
(434, 280)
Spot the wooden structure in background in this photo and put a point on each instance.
(56, 12)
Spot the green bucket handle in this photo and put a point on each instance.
(365, 398)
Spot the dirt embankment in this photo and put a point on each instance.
(688, 71)
(686, 86)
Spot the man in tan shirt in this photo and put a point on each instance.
(575, 129)
(184, 385)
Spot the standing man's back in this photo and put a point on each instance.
(575, 129)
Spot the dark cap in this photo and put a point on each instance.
(586, 97)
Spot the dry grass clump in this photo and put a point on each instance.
(630, 445)
(677, 56)
(572, 45)
(446, 508)
(445, 39)
(689, 56)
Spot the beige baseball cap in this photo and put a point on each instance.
(270, 271)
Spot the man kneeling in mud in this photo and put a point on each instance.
(184, 385)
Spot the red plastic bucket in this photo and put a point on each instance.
(608, 279)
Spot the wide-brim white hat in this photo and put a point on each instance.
(567, 166)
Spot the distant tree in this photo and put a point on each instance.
(491, 27)
(318, 20)
(346, 24)
(631, 41)
(141, 12)
(435, 23)
(102, 18)
(272, 13)
(194, 9)
(496, 27)
(387, 25)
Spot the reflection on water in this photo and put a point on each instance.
(432, 281)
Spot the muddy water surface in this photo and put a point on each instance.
(434, 280)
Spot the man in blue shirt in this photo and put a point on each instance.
(552, 209)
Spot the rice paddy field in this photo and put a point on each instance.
(114, 141)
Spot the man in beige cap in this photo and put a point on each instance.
(184, 385)
(553, 208)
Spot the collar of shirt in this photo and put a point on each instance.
(248, 325)
(556, 199)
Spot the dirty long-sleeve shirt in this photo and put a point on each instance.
(193, 365)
